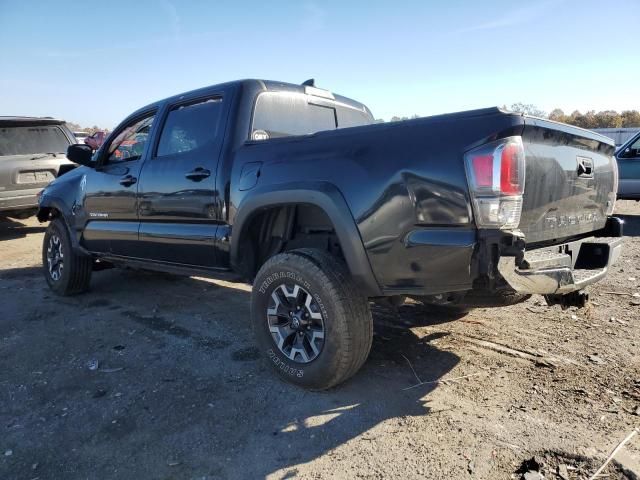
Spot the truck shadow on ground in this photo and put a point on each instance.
(631, 225)
(21, 272)
(192, 397)
(13, 229)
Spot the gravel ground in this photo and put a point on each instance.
(180, 392)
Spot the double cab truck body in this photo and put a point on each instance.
(300, 191)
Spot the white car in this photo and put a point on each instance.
(80, 136)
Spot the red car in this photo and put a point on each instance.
(95, 140)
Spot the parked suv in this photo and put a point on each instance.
(299, 191)
(32, 154)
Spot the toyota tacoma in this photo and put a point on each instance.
(323, 210)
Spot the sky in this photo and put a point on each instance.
(93, 63)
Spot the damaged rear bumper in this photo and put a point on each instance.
(561, 269)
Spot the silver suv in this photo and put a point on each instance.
(32, 153)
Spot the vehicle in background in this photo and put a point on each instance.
(32, 154)
(628, 157)
(264, 180)
(80, 136)
(96, 140)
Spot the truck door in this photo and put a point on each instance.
(176, 194)
(109, 190)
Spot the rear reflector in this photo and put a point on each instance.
(496, 181)
(483, 170)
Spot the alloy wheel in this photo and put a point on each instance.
(296, 323)
(55, 257)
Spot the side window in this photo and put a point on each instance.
(281, 114)
(190, 126)
(635, 148)
(130, 142)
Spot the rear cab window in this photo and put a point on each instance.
(32, 139)
(285, 114)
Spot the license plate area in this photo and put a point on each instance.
(35, 176)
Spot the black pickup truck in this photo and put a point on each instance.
(300, 192)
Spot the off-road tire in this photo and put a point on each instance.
(348, 325)
(75, 275)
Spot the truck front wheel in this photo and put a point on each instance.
(310, 319)
(67, 273)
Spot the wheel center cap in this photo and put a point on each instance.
(295, 322)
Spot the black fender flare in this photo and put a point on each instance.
(324, 196)
(49, 202)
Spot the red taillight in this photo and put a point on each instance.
(496, 182)
(510, 165)
(483, 170)
(498, 168)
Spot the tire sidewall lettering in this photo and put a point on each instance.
(283, 366)
(266, 288)
(286, 275)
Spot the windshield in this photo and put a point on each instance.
(32, 139)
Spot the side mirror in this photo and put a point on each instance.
(630, 152)
(80, 154)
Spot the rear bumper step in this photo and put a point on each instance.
(561, 269)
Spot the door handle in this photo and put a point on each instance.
(197, 174)
(585, 167)
(128, 180)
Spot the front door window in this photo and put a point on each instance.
(130, 143)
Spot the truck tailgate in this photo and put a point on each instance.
(570, 181)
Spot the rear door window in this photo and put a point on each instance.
(28, 140)
(283, 114)
(190, 126)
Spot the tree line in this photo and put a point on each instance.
(593, 119)
(75, 127)
(590, 119)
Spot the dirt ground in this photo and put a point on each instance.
(180, 392)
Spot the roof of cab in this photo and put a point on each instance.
(255, 84)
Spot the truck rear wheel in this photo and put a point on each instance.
(67, 273)
(310, 319)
